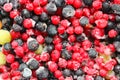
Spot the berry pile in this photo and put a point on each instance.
(59, 39)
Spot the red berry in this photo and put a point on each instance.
(29, 6)
(75, 23)
(14, 65)
(10, 58)
(27, 23)
(44, 57)
(14, 44)
(101, 23)
(86, 12)
(112, 33)
(78, 30)
(7, 7)
(86, 44)
(5, 75)
(77, 3)
(116, 1)
(58, 73)
(13, 14)
(70, 30)
(55, 55)
(55, 20)
(75, 65)
(43, 2)
(52, 66)
(40, 39)
(25, 36)
(36, 3)
(69, 1)
(98, 15)
(78, 13)
(97, 4)
(38, 10)
(19, 51)
(72, 38)
(103, 72)
(62, 63)
(58, 46)
(15, 35)
(61, 29)
(76, 56)
(65, 23)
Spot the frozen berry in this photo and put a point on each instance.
(27, 73)
(16, 27)
(99, 78)
(66, 54)
(25, 13)
(51, 8)
(59, 3)
(89, 3)
(79, 72)
(66, 72)
(92, 53)
(51, 30)
(84, 21)
(7, 46)
(40, 26)
(22, 66)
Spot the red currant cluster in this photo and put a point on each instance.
(60, 39)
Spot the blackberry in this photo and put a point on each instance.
(79, 72)
(42, 72)
(25, 13)
(18, 20)
(88, 2)
(15, 3)
(51, 8)
(65, 54)
(59, 3)
(51, 30)
(44, 17)
(66, 72)
(68, 11)
(32, 44)
(19, 41)
(92, 53)
(16, 27)
(99, 78)
(32, 63)
(106, 7)
(48, 39)
(27, 73)
(50, 47)
(64, 36)
(35, 18)
(22, 66)
(41, 26)
(84, 21)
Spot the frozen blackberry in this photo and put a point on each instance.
(41, 26)
(33, 64)
(22, 66)
(42, 72)
(65, 54)
(79, 72)
(48, 39)
(84, 21)
(64, 44)
(44, 17)
(32, 44)
(106, 7)
(116, 8)
(35, 18)
(88, 2)
(66, 72)
(50, 47)
(68, 11)
(51, 8)
(7, 46)
(18, 20)
(27, 73)
(59, 3)
(117, 69)
(25, 13)
(16, 27)
(99, 78)
(51, 30)
(92, 53)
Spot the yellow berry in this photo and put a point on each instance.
(4, 36)
(2, 59)
(105, 57)
(39, 50)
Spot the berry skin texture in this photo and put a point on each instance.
(97, 4)
(19, 51)
(101, 23)
(29, 6)
(78, 30)
(112, 33)
(27, 23)
(7, 7)
(86, 44)
(55, 20)
(10, 58)
(52, 66)
(58, 73)
(77, 3)
(14, 65)
(38, 10)
(13, 14)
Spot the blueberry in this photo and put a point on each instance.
(66, 72)
(59, 3)
(68, 11)
(65, 54)
(19, 41)
(88, 2)
(2, 2)
(106, 7)
(99, 78)
(92, 53)
(51, 30)
(41, 26)
(84, 21)
(50, 47)
(48, 39)
(32, 63)
(117, 18)
(7, 46)
(63, 36)
(64, 44)
(117, 45)
(18, 19)
(16, 27)
(80, 38)
(27, 73)
(15, 3)
(22, 66)
(44, 17)
(35, 18)
(51, 8)
(117, 69)
(25, 13)
(32, 44)
(79, 72)
(42, 72)
(80, 78)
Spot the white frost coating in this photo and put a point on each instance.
(27, 72)
(40, 68)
